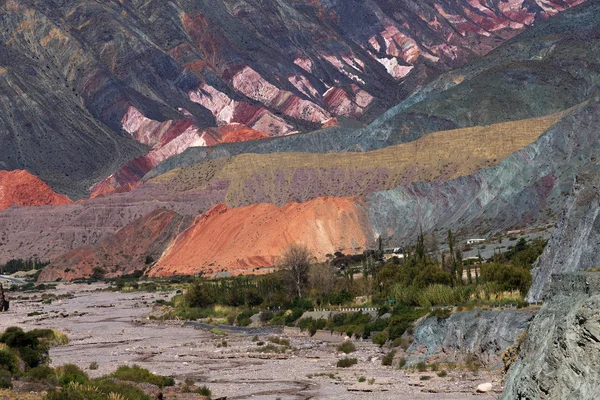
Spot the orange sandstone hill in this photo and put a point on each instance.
(21, 188)
(132, 248)
(256, 236)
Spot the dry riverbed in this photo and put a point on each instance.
(113, 329)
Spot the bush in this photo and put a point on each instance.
(380, 338)
(402, 363)
(107, 386)
(71, 373)
(421, 366)
(443, 373)
(293, 316)
(204, 391)
(42, 373)
(266, 316)
(8, 362)
(280, 341)
(243, 319)
(200, 295)
(347, 347)
(388, 359)
(101, 389)
(362, 379)
(93, 365)
(137, 374)
(5, 379)
(346, 362)
(403, 343)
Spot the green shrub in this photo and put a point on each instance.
(402, 363)
(138, 374)
(107, 386)
(200, 295)
(402, 342)
(243, 319)
(362, 379)
(93, 365)
(42, 373)
(280, 341)
(346, 362)
(388, 359)
(204, 391)
(421, 366)
(293, 316)
(8, 362)
(347, 347)
(266, 316)
(425, 377)
(5, 379)
(380, 338)
(443, 373)
(71, 373)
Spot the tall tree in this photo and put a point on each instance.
(296, 261)
(420, 248)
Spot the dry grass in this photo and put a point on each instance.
(439, 156)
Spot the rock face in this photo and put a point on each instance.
(549, 68)
(20, 188)
(574, 243)
(132, 248)
(244, 238)
(528, 187)
(560, 358)
(483, 333)
(169, 138)
(277, 67)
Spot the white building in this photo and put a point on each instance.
(475, 241)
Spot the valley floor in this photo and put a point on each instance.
(113, 328)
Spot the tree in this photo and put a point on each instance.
(420, 248)
(322, 280)
(296, 260)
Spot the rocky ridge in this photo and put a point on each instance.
(574, 243)
(560, 357)
(484, 334)
(204, 64)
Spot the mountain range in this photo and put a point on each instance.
(208, 136)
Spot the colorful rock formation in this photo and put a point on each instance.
(135, 247)
(256, 236)
(20, 188)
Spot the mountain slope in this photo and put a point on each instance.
(554, 67)
(124, 252)
(72, 72)
(573, 246)
(20, 188)
(256, 236)
(278, 179)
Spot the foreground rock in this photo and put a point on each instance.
(484, 387)
(484, 334)
(561, 358)
(574, 244)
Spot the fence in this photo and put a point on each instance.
(346, 309)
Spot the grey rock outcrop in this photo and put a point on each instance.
(574, 243)
(561, 356)
(482, 333)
